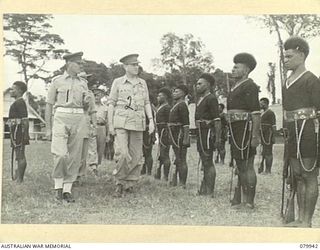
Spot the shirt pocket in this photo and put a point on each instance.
(140, 94)
(63, 95)
(78, 92)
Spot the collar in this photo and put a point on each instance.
(126, 80)
(299, 76)
(239, 83)
(176, 104)
(202, 98)
(162, 106)
(265, 111)
(66, 75)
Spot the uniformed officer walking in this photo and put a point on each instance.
(208, 131)
(301, 105)
(68, 96)
(178, 127)
(244, 122)
(268, 128)
(128, 108)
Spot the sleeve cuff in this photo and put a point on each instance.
(256, 113)
(217, 119)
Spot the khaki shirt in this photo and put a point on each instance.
(101, 113)
(122, 90)
(66, 91)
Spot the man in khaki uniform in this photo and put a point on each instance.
(68, 95)
(128, 109)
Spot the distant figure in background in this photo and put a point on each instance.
(162, 119)
(267, 131)
(19, 127)
(224, 135)
(102, 123)
(179, 134)
(90, 129)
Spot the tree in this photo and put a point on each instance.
(306, 26)
(28, 41)
(185, 58)
(223, 82)
(271, 84)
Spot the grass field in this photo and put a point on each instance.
(153, 202)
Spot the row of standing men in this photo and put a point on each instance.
(129, 110)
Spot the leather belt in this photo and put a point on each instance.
(70, 110)
(238, 115)
(300, 114)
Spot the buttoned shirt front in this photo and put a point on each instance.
(129, 99)
(67, 91)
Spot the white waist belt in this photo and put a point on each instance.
(70, 110)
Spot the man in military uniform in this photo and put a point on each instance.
(68, 95)
(244, 122)
(128, 108)
(19, 127)
(178, 128)
(267, 131)
(301, 105)
(162, 119)
(221, 150)
(208, 128)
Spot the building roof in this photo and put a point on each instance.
(8, 100)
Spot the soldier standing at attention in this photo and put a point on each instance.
(244, 123)
(178, 127)
(302, 107)
(128, 108)
(208, 128)
(162, 119)
(19, 127)
(68, 94)
(268, 128)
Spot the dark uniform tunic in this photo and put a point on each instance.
(19, 135)
(268, 119)
(302, 93)
(205, 115)
(162, 119)
(206, 110)
(244, 97)
(178, 118)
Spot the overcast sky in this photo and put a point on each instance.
(107, 38)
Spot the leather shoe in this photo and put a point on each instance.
(68, 198)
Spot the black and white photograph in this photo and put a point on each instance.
(197, 120)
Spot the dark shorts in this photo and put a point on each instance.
(204, 140)
(267, 149)
(19, 152)
(308, 143)
(240, 132)
(17, 137)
